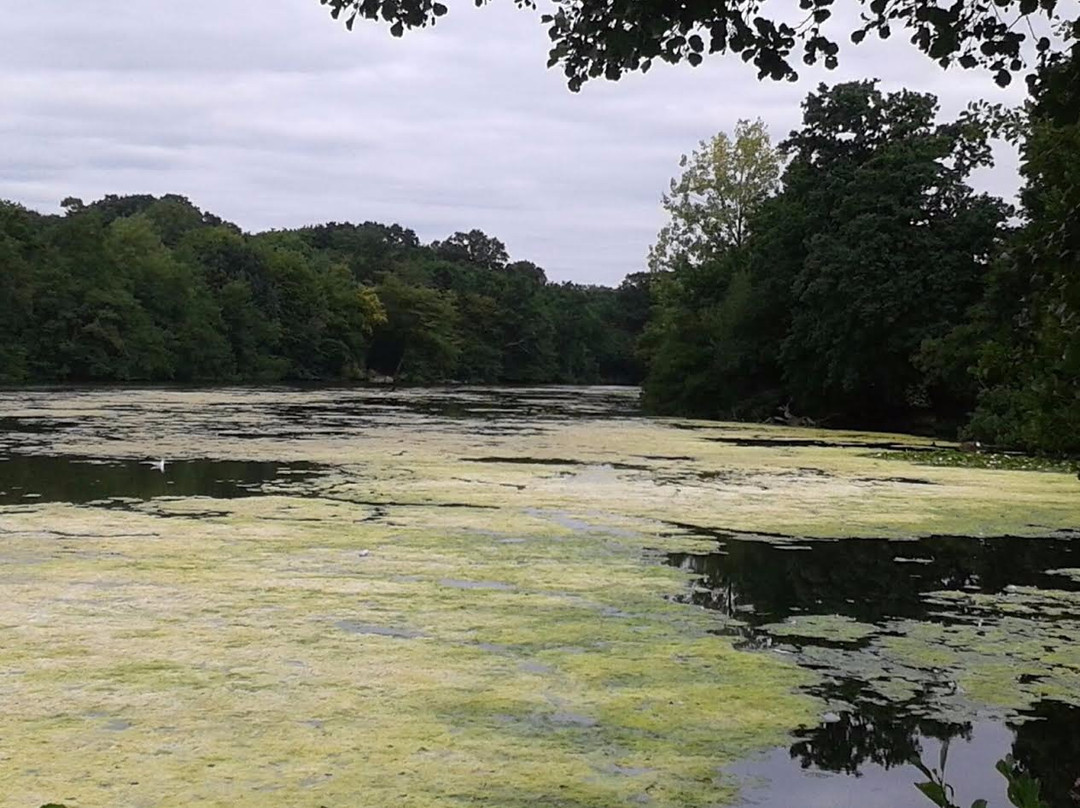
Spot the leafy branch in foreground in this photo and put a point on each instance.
(594, 38)
(1023, 789)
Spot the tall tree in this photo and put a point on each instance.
(700, 356)
(709, 206)
(1029, 365)
(895, 247)
(874, 246)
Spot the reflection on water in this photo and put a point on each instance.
(860, 754)
(867, 579)
(31, 479)
(816, 771)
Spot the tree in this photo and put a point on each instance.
(417, 341)
(895, 247)
(874, 246)
(593, 38)
(701, 357)
(724, 181)
(151, 288)
(474, 247)
(1028, 364)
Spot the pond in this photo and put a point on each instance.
(510, 597)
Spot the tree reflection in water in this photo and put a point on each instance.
(754, 585)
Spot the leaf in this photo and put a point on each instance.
(922, 767)
(935, 793)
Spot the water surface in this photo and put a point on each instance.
(448, 577)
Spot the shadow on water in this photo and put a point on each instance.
(861, 752)
(862, 760)
(28, 479)
(866, 579)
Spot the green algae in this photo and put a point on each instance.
(216, 645)
(981, 652)
(826, 627)
(425, 630)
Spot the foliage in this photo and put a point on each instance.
(724, 181)
(593, 38)
(139, 288)
(893, 248)
(1028, 365)
(874, 245)
(1023, 789)
(701, 344)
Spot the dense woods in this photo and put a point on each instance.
(875, 288)
(139, 288)
(848, 276)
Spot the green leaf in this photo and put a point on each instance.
(935, 793)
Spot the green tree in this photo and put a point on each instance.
(709, 206)
(18, 249)
(895, 248)
(152, 288)
(418, 341)
(700, 345)
(1028, 368)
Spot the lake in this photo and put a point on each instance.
(518, 597)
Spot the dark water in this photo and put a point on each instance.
(30, 479)
(846, 764)
(866, 579)
(861, 755)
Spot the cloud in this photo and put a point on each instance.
(279, 117)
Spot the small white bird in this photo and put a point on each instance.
(158, 465)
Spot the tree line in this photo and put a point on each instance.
(850, 276)
(147, 289)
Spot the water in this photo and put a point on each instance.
(838, 608)
(867, 579)
(26, 479)
(861, 754)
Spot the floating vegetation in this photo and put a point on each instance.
(980, 460)
(421, 594)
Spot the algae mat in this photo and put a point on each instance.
(445, 597)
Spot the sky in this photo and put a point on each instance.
(272, 115)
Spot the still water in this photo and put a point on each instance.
(861, 755)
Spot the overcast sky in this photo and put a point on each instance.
(270, 114)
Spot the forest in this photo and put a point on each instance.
(145, 289)
(850, 276)
(847, 276)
